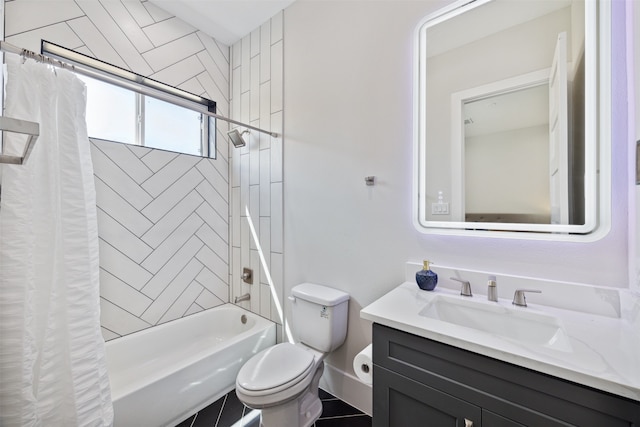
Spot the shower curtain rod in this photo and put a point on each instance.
(146, 90)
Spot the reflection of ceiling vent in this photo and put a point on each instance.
(468, 121)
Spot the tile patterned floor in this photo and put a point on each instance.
(229, 411)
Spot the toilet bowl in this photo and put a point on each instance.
(282, 381)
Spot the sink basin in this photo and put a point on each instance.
(517, 324)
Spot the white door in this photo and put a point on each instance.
(558, 134)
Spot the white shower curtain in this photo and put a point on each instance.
(52, 361)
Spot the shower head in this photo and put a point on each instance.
(236, 137)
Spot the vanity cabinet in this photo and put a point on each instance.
(421, 382)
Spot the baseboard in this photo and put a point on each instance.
(348, 388)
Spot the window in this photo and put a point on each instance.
(121, 115)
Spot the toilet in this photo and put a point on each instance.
(282, 381)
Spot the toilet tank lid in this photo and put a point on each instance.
(319, 294)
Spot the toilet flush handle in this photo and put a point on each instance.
(292, 299)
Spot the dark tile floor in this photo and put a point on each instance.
(229, 411)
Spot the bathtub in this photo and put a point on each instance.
(162, 375)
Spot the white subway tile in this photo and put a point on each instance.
(58, 33)
(219, 53)
(163, 228)
(213, 177)
(277, 27)
(236, 287)
(168, 273)
(265, 114)
(26, 15)
(172, 195)
(265, 182)
(235, 217)
(265, 52)
(122, 267)
(208, 300)
(213, 198)
(122, 295)
(170, 247)
(214, 284)
(168, 30)
(116, 38)
(254, 158)
(119, 209)
(254, 113)
(119, 237)
(213, 262)
(276, 76)
(181, 71)
(124, 157)
(193, 86)
(265, 301)
(276, 218)
(220, 80)
(254, 211)
(244, 183)
(158, 14)
(128, 25)
(96, 42)
(254, 290)
(277, 274)
(246, 60)
(255, 42)
(276, 148)
(173, 52)
(214, 220)
(172, 292)
(214, 242)
(182, 303)
(119, 320)
(265, 244)
(139, 12)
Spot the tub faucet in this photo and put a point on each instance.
(241, 298)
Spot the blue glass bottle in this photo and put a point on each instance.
(425, 278)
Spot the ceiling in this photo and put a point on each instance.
(227, 21)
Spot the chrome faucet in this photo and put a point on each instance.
(492, 289)
(519, 298)
(466, 287)
(241, 298)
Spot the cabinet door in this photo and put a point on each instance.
(490, 419)
(402, 402)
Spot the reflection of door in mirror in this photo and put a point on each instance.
(485, 182)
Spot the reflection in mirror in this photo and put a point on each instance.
(503, 90)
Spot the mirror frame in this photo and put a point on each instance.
(597, 136)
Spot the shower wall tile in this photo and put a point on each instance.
(256, 169)
(21, 16)
(168, 30)
(163, 218)
(127, 24)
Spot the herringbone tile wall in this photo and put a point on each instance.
(163, 217)
(162, 223)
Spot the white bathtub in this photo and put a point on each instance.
(162, 375)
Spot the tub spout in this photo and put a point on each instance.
(244, 297)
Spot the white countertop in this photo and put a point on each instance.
(603, 353)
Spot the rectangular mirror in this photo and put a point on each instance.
(507, 103)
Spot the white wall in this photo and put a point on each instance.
(348, 114)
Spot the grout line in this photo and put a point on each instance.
(221, 409)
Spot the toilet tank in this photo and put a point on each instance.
(319, 316)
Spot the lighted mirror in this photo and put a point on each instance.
(507, 137)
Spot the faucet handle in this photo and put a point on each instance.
(466, 287)
(519, 298)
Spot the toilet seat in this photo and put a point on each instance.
(275, 369)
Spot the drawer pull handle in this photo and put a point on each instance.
(468, 423)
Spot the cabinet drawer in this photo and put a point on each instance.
(497, 386)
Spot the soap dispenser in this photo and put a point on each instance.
(425, 278)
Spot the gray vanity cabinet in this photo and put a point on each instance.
(420, 382)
